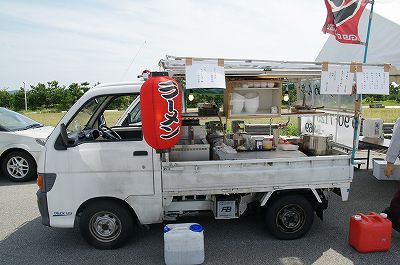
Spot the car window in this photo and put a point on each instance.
(115, 109)
(13, 121)
(135, 114)
(109, 116)
(81, 119)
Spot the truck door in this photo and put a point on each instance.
(112, 163)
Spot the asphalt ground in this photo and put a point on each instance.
(24, 240)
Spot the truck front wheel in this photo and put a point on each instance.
(289, 217)
(106, 225)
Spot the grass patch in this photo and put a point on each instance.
(46, 118)
(388, 115)
(51, 118)
(384, 102)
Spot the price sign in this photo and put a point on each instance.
(337, 79)
(372, 80)
(205, 74)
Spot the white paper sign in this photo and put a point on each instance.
(339, 125)
(205, 74)
(373, 80)
(337, 80)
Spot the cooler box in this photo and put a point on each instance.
(379, 167)
(372, 128)
(370, 233)
(183, 244)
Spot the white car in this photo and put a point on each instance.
(21, 141)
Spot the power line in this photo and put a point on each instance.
(133, 60)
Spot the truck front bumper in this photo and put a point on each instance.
(43, 208)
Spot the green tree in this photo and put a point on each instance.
(85, 86)
(6, 99)
(38, 97)
(19, 100)
(394, 92)
(56, 94)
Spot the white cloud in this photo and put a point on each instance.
(96, 40)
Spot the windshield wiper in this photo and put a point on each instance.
(35, 125)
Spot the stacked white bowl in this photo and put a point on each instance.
(251, 102)
(237, 103)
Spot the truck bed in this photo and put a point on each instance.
(256, 175)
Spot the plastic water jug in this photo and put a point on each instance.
(370, 233)
(183, 244)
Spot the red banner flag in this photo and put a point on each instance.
(342, 19)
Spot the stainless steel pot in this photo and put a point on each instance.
(316, 144)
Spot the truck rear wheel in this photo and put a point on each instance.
(106, 225)
(289, 217)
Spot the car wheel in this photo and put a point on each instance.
(106, 225)
(289, 217)
(19, 166)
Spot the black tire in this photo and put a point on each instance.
(19, 166)
(113, 221)
(289, 217)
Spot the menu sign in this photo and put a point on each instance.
(205, 74)
(372, 79)
(337, 79)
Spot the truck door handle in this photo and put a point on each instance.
(140, 153)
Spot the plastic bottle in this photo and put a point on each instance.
(183, 244)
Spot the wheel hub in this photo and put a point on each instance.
(105, 226)
(17, 167)
(290, 218)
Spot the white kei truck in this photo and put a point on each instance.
(108, 179)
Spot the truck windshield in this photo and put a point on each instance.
(13, 121)
(81, 119)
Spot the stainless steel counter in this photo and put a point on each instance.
(259, 155)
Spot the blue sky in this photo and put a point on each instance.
(95, 41)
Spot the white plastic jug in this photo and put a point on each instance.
(183, 244)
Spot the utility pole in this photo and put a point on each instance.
(26, 102)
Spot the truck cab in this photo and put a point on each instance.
(96, 163)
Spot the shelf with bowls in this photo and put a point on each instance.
(256, 88)
(253, 98)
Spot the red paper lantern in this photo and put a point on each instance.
(161, 111)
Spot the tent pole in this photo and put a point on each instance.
(358, 105)
(368, 31)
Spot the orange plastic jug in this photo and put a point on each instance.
(370, 233)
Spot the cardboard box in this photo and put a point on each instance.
(379, 167)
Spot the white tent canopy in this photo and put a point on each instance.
(383, 43)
